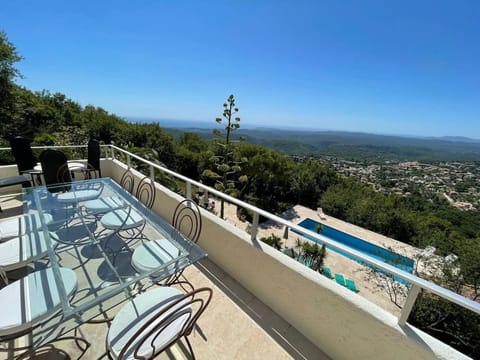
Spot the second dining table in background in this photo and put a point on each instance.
(73, 165)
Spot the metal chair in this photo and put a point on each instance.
(20, 251)
(58, 179)
(153, 254)
(155, 320)
(20, 318)
(55, 170)
(105, 204)
(16, 227)
(128, 180)
(23, 154)
(128, 222)
(188, 220)
(93, 157)
(61, 190)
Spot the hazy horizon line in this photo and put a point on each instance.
(207, 124)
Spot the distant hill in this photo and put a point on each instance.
(460, 139)
(173, 124)
(355, 146)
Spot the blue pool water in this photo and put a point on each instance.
(377, 252)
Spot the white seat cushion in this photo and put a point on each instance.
(18, 252)
(77, 196)
(154, 254)
(76, 165)
(141, 310)
(22, 225)
(122, 219)
(72, 166)
(102, 205)
(26, 302)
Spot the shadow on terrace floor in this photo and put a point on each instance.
(293, 344)
(236, 325)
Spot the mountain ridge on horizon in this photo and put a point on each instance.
(208, 125)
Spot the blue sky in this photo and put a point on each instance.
(396, 67)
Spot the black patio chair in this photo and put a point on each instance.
(93, 158)
(23, 154)
(67, 197)
(55, 170)
(58, 179)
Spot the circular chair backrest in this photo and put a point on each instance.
(128, 181)
(146, 192)
(188, 220)
(172, 322)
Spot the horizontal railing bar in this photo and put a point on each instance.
(432, 287)
(53, 147)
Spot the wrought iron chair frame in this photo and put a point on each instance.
(186, 209)
(146, 192)
(197, 300)
(28, 350)
(128, 181)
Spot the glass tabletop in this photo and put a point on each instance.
(90, 262)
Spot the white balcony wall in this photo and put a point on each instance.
(343, 324)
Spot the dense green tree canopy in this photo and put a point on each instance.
(8, 72)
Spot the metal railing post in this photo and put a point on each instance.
(188, 194)
(409, 302)
(253, 234)
(129, 161)
(113, 152)
(152, 173)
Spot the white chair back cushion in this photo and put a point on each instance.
(20, 226)
(18, 252)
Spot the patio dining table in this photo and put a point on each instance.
(99, 258)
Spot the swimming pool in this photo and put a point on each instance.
(377, 252)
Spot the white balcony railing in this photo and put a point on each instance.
(417, 282)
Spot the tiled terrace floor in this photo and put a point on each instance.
(236, 325)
